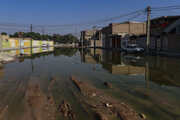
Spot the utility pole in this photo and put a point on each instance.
(31, 27)
(43, 30)
(148, 29)
(94, 29)
(147, 75)
(32, 66)
(75, 32)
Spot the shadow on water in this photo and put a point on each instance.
(149, 84)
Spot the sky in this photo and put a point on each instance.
(62, 12)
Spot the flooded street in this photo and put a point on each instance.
(40, 86)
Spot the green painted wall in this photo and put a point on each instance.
(40, 43)
(5, 44)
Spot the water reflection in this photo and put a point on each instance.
(160, 74)
(149, 84)
(162, 70)
(1, 72)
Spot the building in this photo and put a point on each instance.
(167, 24)
(169, 40)
(0, 43)
(119, 35)
(13, 42)
(165, 36)
(86, 36)
(89, 36)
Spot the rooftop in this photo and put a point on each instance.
(166, 17)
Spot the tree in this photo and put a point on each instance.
(3, 33)
(69, 38)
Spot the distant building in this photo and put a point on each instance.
(86, 36)
(0, 43)
(10, 42)
(89, 36)
(119, 35)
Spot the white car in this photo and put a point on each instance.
(133, 48)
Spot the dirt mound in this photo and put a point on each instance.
(105, 107)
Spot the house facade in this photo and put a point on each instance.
(166, 31)
(119, 35)
(86, 36)
(91, 38)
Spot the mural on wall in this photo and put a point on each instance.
(24, 43)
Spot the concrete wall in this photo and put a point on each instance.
(130, 28)
(173, 44)
(121, 29)
(7, 42)
(141, 41)
(0, 43)
(88, 40)
(86, 36)
(98, 43)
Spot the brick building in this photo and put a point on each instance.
(89, 36)
(118, 35)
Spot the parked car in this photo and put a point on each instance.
(133, 48)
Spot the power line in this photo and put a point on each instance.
(70, 25)
(166, 7)
(85, 25)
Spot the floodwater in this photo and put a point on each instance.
(148, 84)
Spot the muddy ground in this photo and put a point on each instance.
(38, 106)
(105, 107)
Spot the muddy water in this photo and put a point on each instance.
(34, 86)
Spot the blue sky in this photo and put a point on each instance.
(60, 12)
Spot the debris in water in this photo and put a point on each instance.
(93, 95)
(108, 85)
(143, 116)
(66, 109)
(50, 99)
(108, 105)
(132, 91)
(100, 104)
